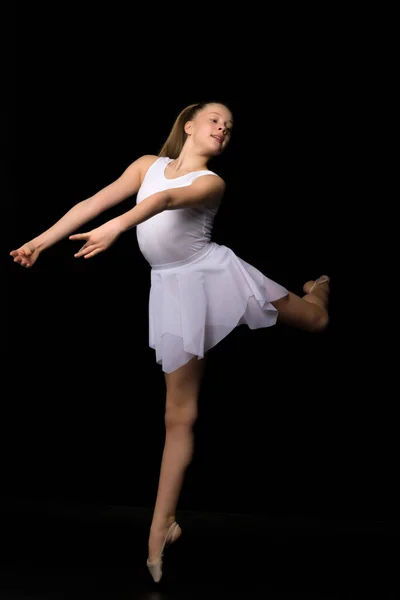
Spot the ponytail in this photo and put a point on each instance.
(174, 143)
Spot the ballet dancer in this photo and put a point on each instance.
(200, 290)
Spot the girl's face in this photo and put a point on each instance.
(211, 128)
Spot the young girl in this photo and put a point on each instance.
(200, 290)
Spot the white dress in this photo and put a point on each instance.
(200, 291)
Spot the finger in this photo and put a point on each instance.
(88, 243)
(79, 236)
(85, 250)
(91, 254)
(19, 261)
(18, 252)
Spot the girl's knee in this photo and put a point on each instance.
(320, 321)
(180, 414)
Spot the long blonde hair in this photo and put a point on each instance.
(173, 145)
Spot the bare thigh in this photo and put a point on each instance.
(297, 312)
(185, 382)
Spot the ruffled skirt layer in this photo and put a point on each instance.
(197, 302)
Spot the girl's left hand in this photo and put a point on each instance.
(97, 240)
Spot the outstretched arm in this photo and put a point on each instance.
(123, 187)
(206, 190)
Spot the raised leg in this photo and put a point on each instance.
(310, 312)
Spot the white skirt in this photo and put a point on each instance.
(197, 302)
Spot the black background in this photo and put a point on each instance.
(286, 426)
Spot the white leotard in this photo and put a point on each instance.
(172, 235)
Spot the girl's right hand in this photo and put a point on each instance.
(26, 255)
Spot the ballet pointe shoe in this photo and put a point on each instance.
(155, 566)
(322, 279)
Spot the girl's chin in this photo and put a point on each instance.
(216, 151)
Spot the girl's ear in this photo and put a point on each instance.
(188, 127)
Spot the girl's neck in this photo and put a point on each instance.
(188, 162)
